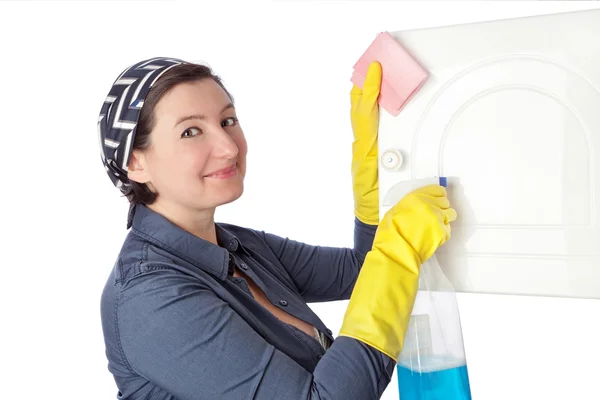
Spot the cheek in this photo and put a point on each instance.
(193, 160)
(183, 163)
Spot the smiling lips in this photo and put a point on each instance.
(223, 173)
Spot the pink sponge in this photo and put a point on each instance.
(402, 76)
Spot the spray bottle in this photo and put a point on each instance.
(432, 364)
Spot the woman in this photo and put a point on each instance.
(195, 309)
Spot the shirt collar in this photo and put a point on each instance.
(207, 256)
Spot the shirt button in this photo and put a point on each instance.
(283, 302)
(243, 266)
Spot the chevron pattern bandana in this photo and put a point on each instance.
(121, 111)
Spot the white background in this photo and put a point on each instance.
(288, 66)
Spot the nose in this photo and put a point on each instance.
(223, 145)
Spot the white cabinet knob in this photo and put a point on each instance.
(391, 159)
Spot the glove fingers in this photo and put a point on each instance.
(446, 216)
(443, 202)
(448, 230)
(436, 201)
(442, 229)
(450, 215)
(372, 81)
(432, 190)
(372, 84)
(356, 91)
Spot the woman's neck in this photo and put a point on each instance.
(199, 223)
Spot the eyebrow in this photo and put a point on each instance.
(200, 116)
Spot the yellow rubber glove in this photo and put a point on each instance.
(365, 124)
(386, 288)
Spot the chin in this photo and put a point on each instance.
(230, 194)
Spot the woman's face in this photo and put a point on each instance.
(197, 156)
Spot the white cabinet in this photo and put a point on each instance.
(511, 116)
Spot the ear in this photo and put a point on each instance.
(136, 170)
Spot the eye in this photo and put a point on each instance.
(191, 132)
(229, 122)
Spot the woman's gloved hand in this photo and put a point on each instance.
(383, 297)
(365, 125)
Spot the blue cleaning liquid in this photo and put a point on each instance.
(443, 384)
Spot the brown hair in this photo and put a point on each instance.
(139, 193)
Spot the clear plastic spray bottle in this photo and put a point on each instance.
(433, 365)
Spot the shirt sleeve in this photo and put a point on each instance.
(323, 273)
(179, 335)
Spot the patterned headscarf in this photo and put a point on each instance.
(120, 113)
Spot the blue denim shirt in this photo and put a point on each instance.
(178, 325)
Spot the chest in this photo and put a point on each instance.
(276, 311)
(284, 316)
